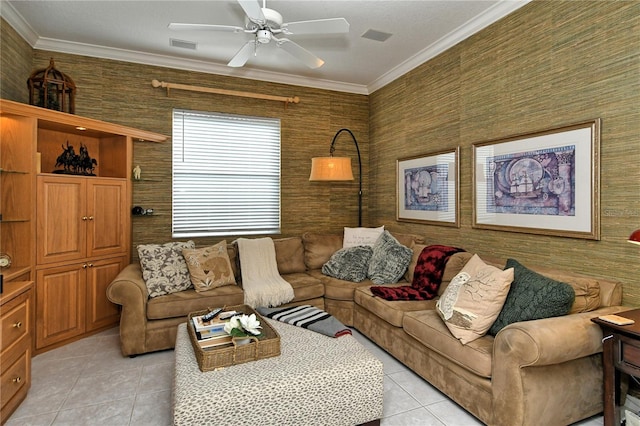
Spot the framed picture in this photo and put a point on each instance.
(546, 182)
(427, 188)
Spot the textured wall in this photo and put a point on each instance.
(546, 65)
(15, 64)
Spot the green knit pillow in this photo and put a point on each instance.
(532, 296)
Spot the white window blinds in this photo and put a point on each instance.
(226, 174)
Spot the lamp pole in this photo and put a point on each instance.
(332, 149)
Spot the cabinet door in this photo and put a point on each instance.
(62, 218)
(60, 303)
(100, 311)
(107, 224)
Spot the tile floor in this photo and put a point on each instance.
(89, 382)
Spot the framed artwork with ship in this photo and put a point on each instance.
(545, 182)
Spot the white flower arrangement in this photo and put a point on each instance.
(243, 326)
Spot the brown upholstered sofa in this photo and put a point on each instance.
(544, 371)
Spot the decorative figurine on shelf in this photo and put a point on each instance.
(75, 164)
(136, 172)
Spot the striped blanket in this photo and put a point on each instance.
(307, 316)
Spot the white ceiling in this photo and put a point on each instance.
(136, 31)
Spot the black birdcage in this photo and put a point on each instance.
(52, 89)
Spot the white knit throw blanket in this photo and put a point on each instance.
(261, 281)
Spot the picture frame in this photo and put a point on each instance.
(427, 188)
(545, 182)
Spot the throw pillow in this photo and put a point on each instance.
(532, 296)
(473, 299)
(209, 267)
(361, 236)
(389, 260)
(163, 267)
(349, 264)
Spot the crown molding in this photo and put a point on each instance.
(464, 31)
(491, 15)
(17, 22)
(102, 52)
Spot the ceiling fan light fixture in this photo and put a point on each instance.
(263, 36)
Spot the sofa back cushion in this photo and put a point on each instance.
(591, 293)
(408, 240)
(318, 248)
(289, 255)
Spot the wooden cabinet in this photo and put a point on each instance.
(80, 217)
(17, 196)
(72, 299)
(70, 233)
(16, 305)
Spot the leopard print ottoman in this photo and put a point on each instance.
(316, 380)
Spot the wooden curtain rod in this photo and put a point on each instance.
(286, 100)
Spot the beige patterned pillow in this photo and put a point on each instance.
(163, 267)
(209, 267)
(473, 299)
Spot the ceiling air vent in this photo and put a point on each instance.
(376, 35)
(183, 44)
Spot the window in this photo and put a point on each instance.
(226, 174)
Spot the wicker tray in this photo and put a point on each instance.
(268, 345)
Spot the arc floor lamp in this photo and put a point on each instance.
(332, 169)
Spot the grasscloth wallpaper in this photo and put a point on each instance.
(548, 64)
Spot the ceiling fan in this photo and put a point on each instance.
(265, 24)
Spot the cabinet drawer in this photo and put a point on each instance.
(15, 321)
(629, 355)
(15, 377)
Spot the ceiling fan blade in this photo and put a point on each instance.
(299, 52)
(253, 10)
(319, 26)
(205, 27)
(243, 55)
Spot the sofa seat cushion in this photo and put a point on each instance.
(337, 289)
(305, 286)
(182, 303)
(428, 328)
(392, 311)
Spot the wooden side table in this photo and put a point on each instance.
(620, 354)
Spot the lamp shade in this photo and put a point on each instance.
(634, 238)
(331, 169)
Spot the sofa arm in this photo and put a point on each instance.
(532, 358)
(129, 290)
(551, 340)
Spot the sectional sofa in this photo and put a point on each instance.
(546, 371)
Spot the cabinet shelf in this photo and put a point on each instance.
(146, 180)
(17, 220)
(9, 171)
(10, 274)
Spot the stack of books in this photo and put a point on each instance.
(211, 333)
